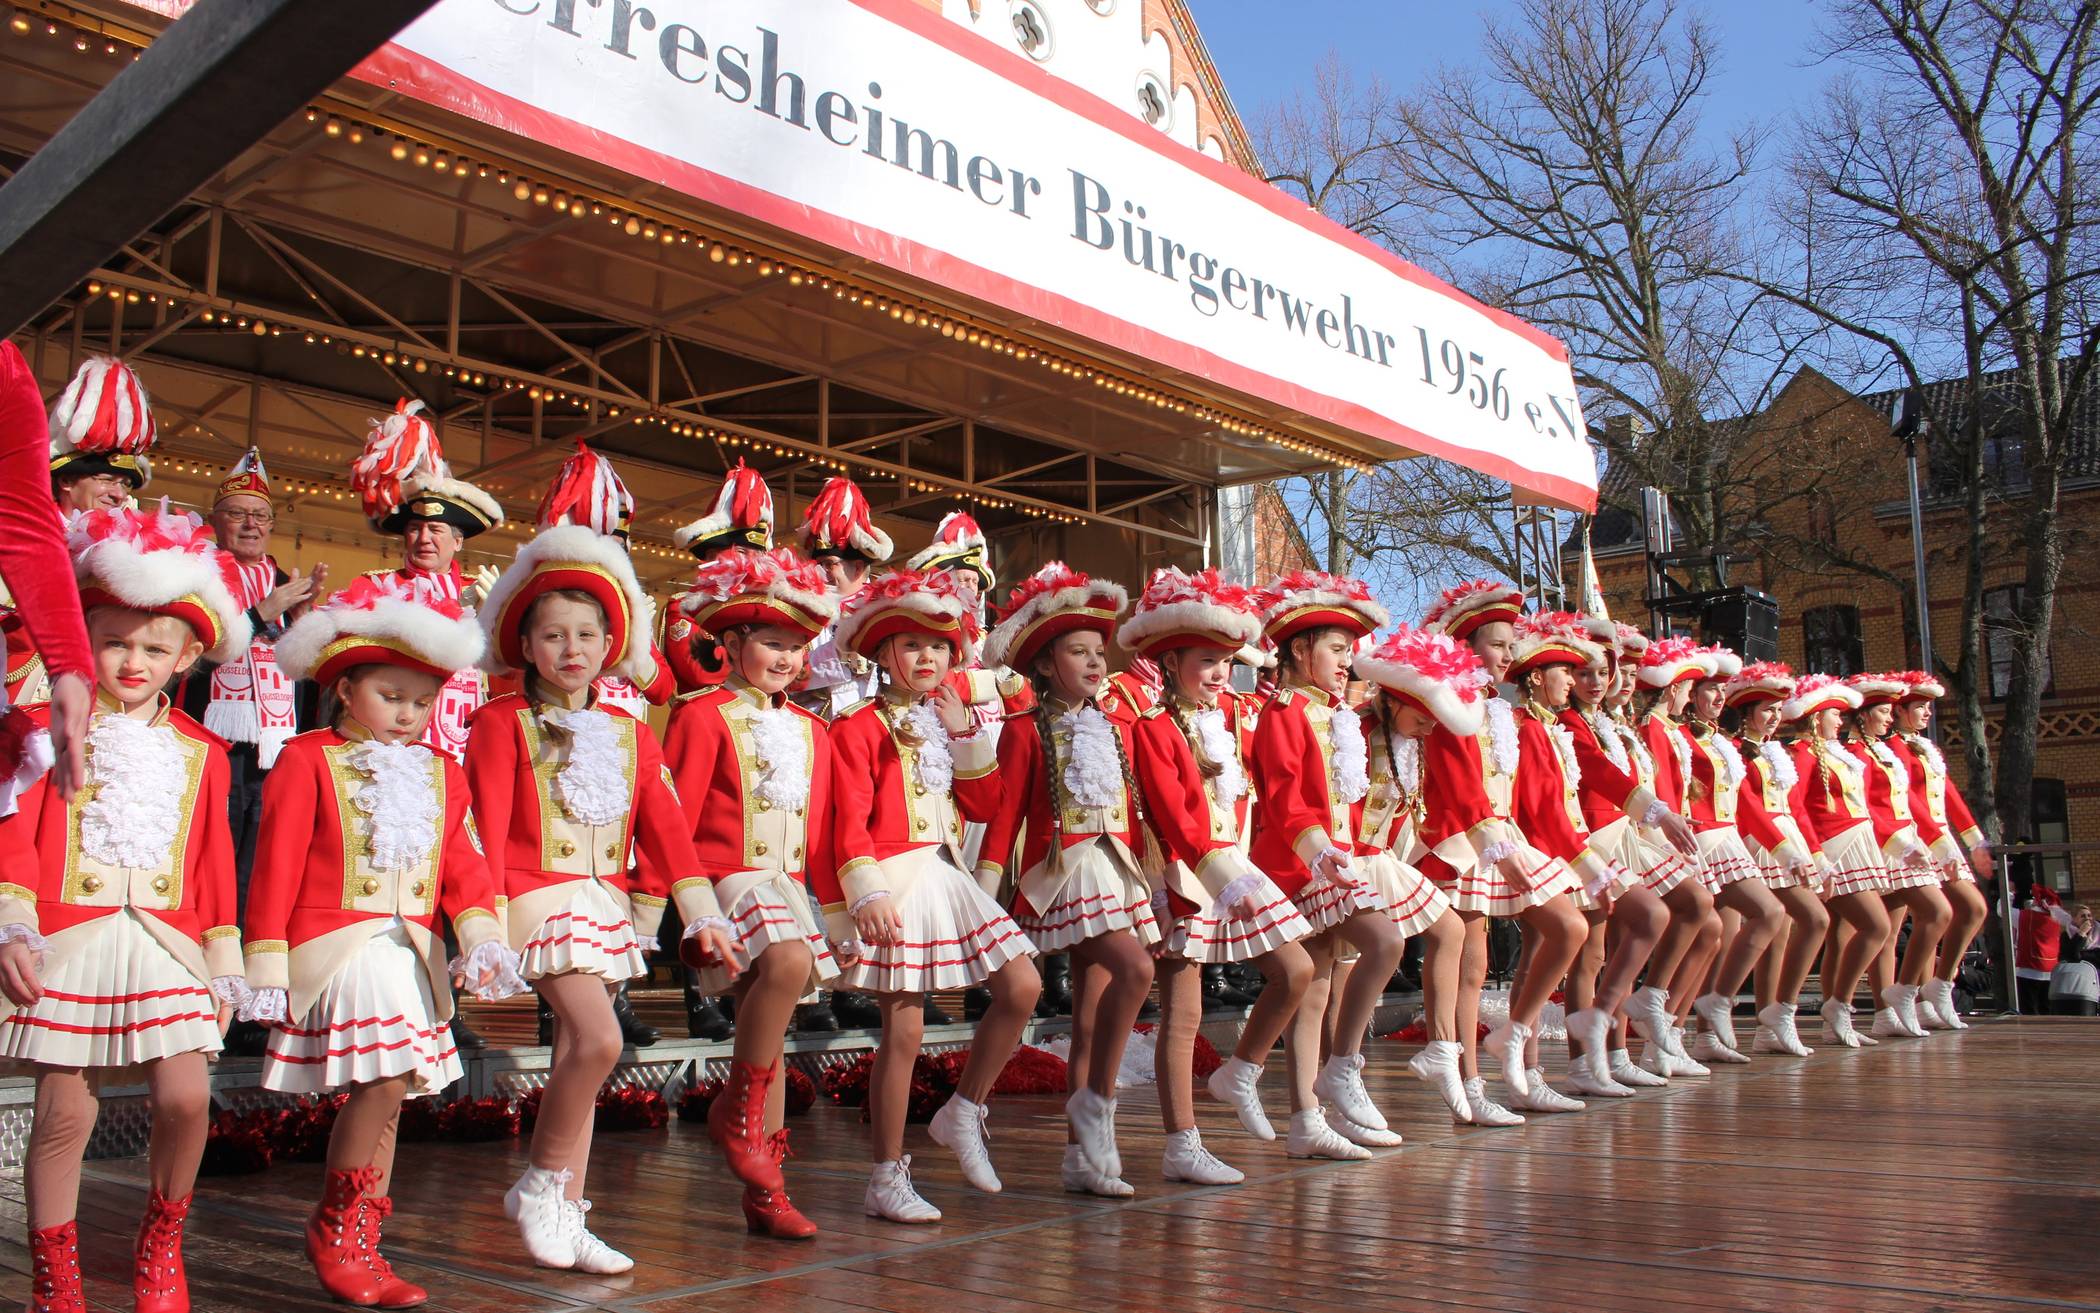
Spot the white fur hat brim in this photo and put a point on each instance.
(151, 581)
(1232, 627)
(1006, 638)
(435, 640)
(1454, 713)
(458, 490)
(933, 606)
(1797, 706)
(572, 545)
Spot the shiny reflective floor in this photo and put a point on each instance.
(1954, 1172)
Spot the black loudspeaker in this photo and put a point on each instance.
(1745, 621)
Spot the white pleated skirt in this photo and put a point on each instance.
(114, 996)
(1723, 858)
(1856, 863)
(1915, 877)
(1412, 899)
(773, 911)
(1203, 937)
(1098, 897)
(1660, 867)
(955, 935)
(1953, 863)
(590, 934)
(1775, 875)
(376, 1020)
(1622, 879)
(1482, 888)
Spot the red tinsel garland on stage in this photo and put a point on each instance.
(1417, 1032)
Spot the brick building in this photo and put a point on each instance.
(1833, 547)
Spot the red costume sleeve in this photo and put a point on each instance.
(820, 867)
(1293, 797)
(1797, 800)
(663, 841)
(1020, 774)
(1920, 805)
(1172, 784)
(978, 797)
(20, 863)
(1751, 818)
(853, 776)
(1603, 784)
(1879, 809)
(691, 746)
(218, 895)
(492, 779)
(1669, 780)
(663, 686)
(33, 557)
(464, 884)
(1454, 798)
(1538, 804)
(291, 808)
(1960, 820)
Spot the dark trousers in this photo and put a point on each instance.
(244, 812)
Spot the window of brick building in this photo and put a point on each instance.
(1830, 641)
(2001, 624)
(2052, 825)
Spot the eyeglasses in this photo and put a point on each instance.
(262, 518)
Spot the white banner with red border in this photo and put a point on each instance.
(889, 132)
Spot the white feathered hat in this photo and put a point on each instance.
(1189, 610)
(381, 619)
(103, 424)
(1054, 601)
(163, 562)
(1434, 671)
(570, 556)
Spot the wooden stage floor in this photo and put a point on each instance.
(1955, 1172)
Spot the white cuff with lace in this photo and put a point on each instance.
(499, 961)
(1495, 852)
(1653, 817)
(16, 933)
(271, 1006)
(231, 990)
(866, 901)
(1235, 891)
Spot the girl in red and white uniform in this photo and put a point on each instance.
(904, 912)
(1312, 768)
(1722, 811)
(1960, 848)
(366, 836)
(1631, 826)
(1832, 812)
(1914, 874)
(562, 790)
(1782, 849)
(1553, 649)
(1189, 753)
(1069, 829)
(1668, 669)
(754, 772)
(119, 954)
(1424, 679)
(1482, 861)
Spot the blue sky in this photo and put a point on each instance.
(1265, 56)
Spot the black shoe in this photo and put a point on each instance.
(247, 1039)
(977, 1000)
(934, 1016)
(815, 1019)
(1057, 987)
(632, 1029)
(463, 1035)
(704, 1018)
(1220, 994)
(546, 1020)
(855, 1011)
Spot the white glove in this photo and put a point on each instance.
(1334, 866)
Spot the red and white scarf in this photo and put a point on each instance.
(251, 700)
(462, 694)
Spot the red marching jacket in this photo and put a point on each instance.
(711, 750)
(1606, 791)
(534, 845)
(1768, 811)
(1888, 800)
(1183, 807)
(1665, 740)
(1936, 804)
(1833, 799)
(49, 885)
(314, 896)
(1545, 803)
(1023, 812)
(1296, 814)
(883, 818)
